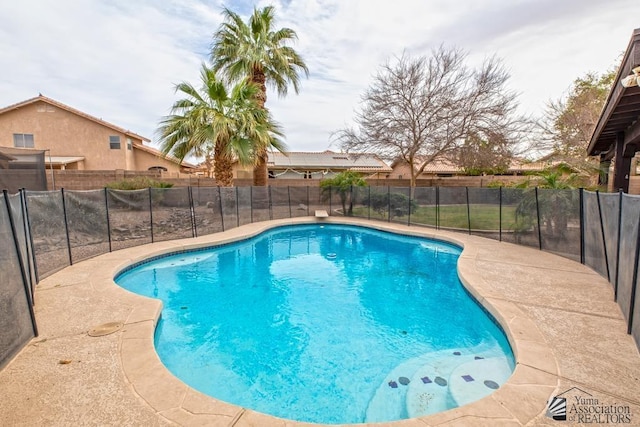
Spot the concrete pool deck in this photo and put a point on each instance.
(567, 333)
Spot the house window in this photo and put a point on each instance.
(23, 140)
(114, 142)
(129, 144)
(307, 175)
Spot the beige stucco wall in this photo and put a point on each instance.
(68, 134)
(145, 160)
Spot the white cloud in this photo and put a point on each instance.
(119, 60)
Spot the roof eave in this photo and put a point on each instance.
(630, 60)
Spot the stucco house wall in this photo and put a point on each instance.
(67, 132)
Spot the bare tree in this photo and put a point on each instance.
(570, 120)
(485, 154)
(420, 109)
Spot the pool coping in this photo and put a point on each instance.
(536, 375)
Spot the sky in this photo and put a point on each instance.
(119, 60)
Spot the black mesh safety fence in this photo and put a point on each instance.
(57, 228)
(87, 223)
(230, 208)
(48, 230)
(171, 213)
(261, 203)
(360, 199)
(485, 212)
(594, 247)
(452, 213)
(317, 200)
(627, 267)
(19, 208)
(243, 197)
(17, 324)
(207, 210)
(610, 208)
(425, 199)
(22, 168)
(24, 239)
(280, 202)
(300, 198)
(129, 218)
(634, 325)
(401, 206)
(378, 203)
(560, 222)
(520, 217)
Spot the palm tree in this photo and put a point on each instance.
(556, 204)
(257, 52)
(213, 121)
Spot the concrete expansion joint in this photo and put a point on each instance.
(138, 322)
(237, 417)
(569, 310)
(554, 374)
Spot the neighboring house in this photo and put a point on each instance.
(307, 165)
(436, 168)
(76, 140)
(447, 168)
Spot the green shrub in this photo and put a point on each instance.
(138, 183)
(399, 204)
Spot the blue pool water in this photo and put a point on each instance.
(326, 324)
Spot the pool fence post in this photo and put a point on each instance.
(604, 240)
(16, 245)
(220, 206)
(437, 208)
(106, 205)
(237, 209)
(251, 201)
(307, 200)
(33, 248)
(289, 196)
(581, 225)
(369, 205)
(538, 217)
(409, 210)
(634, 283)
(388, 203)
(500, 214)
(350, 200)
(66, 225)
(615, 287)
(150, 213)
(330, 196)
(192, 212)
(468, 210)
(27, 241)
(270, 203)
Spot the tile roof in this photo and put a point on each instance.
(159, 153)
(364, 162)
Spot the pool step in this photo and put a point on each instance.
(436, 382)
(476, 379)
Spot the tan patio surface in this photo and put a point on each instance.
(563, 324)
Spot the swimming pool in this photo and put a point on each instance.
(331, 324)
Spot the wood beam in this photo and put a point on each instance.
(632, 134)
(622, 166)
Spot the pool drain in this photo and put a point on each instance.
(105, 329)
